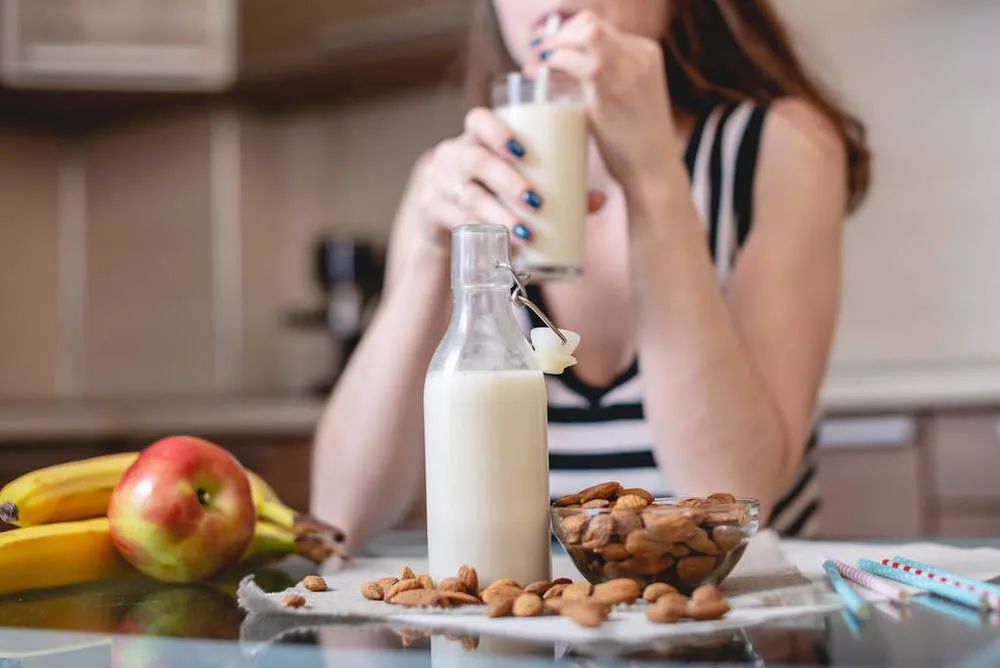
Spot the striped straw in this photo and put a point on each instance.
(991, 591)
(847, 595)
(943, 590)
(895, 593)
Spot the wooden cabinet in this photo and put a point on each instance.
(869, 473)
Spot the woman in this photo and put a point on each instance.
(705, 128)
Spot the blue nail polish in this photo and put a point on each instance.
(515, 147)
(532, 199)
(522, 232)
(535, 42)
(545, 55)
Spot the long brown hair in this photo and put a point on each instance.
(716, 52)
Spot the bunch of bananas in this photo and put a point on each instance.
(65, 538)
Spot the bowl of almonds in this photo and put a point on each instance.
(611, 532)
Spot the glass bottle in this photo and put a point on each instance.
(485, 426)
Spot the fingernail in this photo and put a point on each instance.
(532, 199)
(522, 232)
(515, 147)
(545, 55)
(535, 42)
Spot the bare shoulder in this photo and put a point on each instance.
(796, 128)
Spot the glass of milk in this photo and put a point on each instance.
(485, 426)
(548, 117)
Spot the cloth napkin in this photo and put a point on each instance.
(775, 580)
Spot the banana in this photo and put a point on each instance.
(82, 489)
(70, 491)
(68, 553)
(59, 554)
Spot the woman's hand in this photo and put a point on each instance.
(624, 86)
(473, 179)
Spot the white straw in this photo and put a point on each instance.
(542, 82)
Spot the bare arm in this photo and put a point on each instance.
(731, 380)
(368, 458)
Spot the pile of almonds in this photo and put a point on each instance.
(621, 532)
(586, 604)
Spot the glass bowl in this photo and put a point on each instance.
(684, 542)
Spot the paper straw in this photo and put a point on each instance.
(850, 598)
(852, 623)
(991, 591)
(895, 593)
(542, 81)
(943, 590)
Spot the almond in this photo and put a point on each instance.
(571, 528)
(492, 594)
(700, 542)
(451, 584)
(605, 490)
(503, 582)
(637, 491)
(562, 581)
(641, 543)
(667, 610)
(708, 609)
(669, 527)
(585, 614)
(502, 607)
(372, 591)
(598, 532)
(656, 590)
(706, 594)
(727, 537)
(568, 500)
(614, 592)
(418, 597)
(425, 581)
(695, 569)
(626, 521)
(555, 591)
(407, 573)
(528, 605)
(630, 502)
(539, 587)
(596, 503)
(458, 597)
(402, 585)
(653, 565)
(721, 497)
(385, 583)
(614, 552)
(556, 604)
(678, 550)
(314, 583)
(467, 574)
(577, 591)
(293, 601)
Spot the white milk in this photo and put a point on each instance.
(487, 474)
(554, 135)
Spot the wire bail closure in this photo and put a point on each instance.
(520, 296)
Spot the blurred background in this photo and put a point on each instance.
(195, 195)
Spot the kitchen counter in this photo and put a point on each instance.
(128, 623)
(90, 419)
(904, 388)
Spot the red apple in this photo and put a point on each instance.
(183, 511)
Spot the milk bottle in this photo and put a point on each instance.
(485, 426)
(548, 117)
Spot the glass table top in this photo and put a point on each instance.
(140, 622)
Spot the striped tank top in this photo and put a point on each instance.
(600, 433)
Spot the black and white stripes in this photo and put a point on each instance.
(598, 434)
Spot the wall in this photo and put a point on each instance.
(161, 256)
(921, 278)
